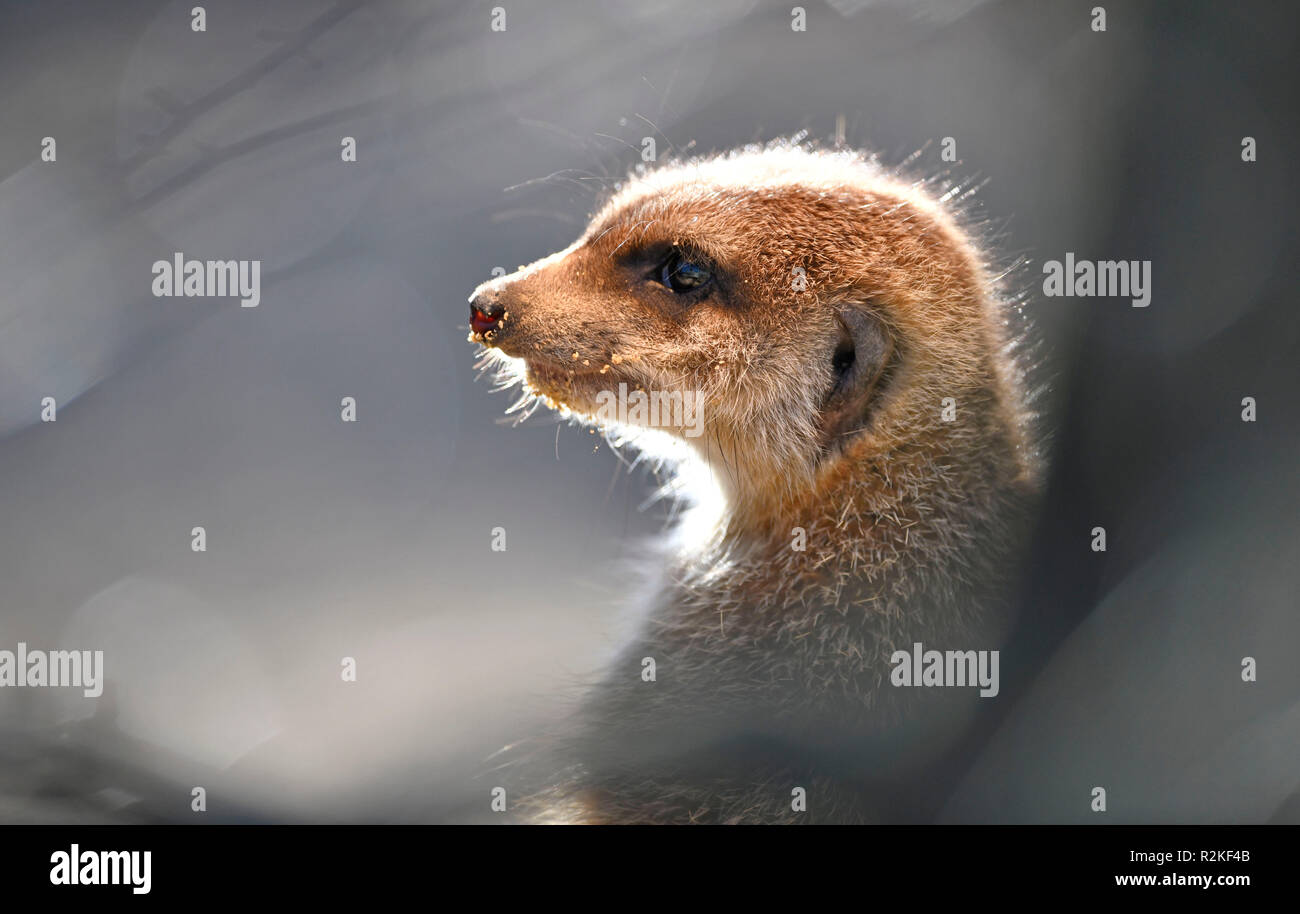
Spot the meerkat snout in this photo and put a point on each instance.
(485, 316)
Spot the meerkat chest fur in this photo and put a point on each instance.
(804, 614)
(858, 418)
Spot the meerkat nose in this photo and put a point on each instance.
(484, 315)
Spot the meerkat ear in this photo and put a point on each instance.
(860, 360)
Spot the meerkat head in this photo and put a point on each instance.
(812, 310)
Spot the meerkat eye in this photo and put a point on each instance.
(682, 274)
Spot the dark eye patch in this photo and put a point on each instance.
(673, 267)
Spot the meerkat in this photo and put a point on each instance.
(871, 462)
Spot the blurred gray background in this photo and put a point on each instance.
(479, 149)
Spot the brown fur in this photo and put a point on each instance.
(773, 663)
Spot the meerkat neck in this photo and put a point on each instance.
(855, 507)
